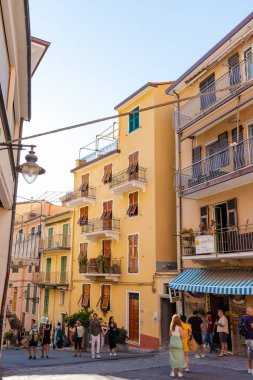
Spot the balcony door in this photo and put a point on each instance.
(107, 215)
(65, 234)
(107, 251)
(63, 275)
(50, 237)
(225, 215)
(48, 268)
(85, 185)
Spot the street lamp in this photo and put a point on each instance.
(29, 169)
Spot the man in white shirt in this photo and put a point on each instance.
(222, 329)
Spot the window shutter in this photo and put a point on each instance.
(84, 216)
(207, 85)
(133, 254)
(27, 298)
(105, 304)
(86, 295)
(134, 120)
(85, 185)
(196, 154)
(107, 174)
(232, 212)
(46, 300)
(223, 149)
(107, 248)
(204, 216)
(34, 296)
(234, 69)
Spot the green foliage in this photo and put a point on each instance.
(122, 336)
(10, 336)
(84, 316)
(14, 322)
(186, 231)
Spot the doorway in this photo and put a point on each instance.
(220, 301)
(134, 317)
(167, 310)
(225, 216)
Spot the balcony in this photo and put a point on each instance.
(26, 249)
(197, 108)
(224, 170)
(96, 228)
(78, 198)
(110, 269)
(231, 242)
(57, 242)
(128, 180)
(51, 279)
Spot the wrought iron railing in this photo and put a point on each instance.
(26, 247)
(199, 105)
(107, 266)
(224, 161)
(90, 192)
(127, 176)
(226, 240)
(57, 242)
(100, 225)
(50, 278)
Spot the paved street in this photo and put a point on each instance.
(132, 365)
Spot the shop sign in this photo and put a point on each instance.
(204, 244)
(174, 295)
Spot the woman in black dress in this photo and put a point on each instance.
(112, 336)
(46, 338)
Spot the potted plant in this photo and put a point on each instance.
(83, 264)
(100, 263)
(186, 232)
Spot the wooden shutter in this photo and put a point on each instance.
(204, 216)
(133, 204)
(133, 253)
(85, 185)
(107, 244)
(84, 216)
(14, 299)
(232, 212)
(50, 237)
(107, 174)
(105, 302)
(65, 235)
(86, 295)
(83, 249)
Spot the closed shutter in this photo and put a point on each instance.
(33, 231)
(207, 85)
(48, 268)
(50, 237)
(107, 215)
(107, 174)
(86, 295)
(204, 217)
(223, 157)
(234, 69)
(28, 295)
(34, 297)
(14, 299)
(196, 161)
(65, 233)
(46, 301)
(133, 253)
(232, 212)
(63, 276)
(105, 301)
(107, 244)
(83, 249)
(84, 216)
(85, 185)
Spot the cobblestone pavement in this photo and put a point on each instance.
(62, 365)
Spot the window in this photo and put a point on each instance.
(133, 204)
(206, 86)
(107, 178)
(86, 295)
(134, 120)
(107, 215)
(20, 234)
(34, 297)
(234, 69)
(248, 64)
(105, 297)
(238, 147)
(37, 269)
(48, 268)
(65, 235)
(107, 251)
(63, 276)
(39, 230)
(133, 166)
(82, 259)
(85, 185)
(15, 269)
(84, 216)
(50, 237)
(14, 299)
(46, 301)
(27, 303)
(204, 217)
(232, 212)
(133, 253)
(30, 268)
(196, 162)
(32, 231)
(62, 297)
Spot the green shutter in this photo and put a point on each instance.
(48, 268)
(63, 268)
(134, 120)
(65, 232)
(50, 237)
(27, 298)
(34, 296)
(46, 301)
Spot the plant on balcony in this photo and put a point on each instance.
(186, 232)
(208, 229)
(100, 263)
(115, 268)
(83, 264)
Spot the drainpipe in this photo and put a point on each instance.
(178, 198)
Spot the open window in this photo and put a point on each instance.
(107, 178)
(133, 204)
(85, 185)
(133, 166)
(84, 216)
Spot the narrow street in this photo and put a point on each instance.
(136, 366)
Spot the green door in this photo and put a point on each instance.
(27, 298)
(65, 233)
(50, 237)
(63, 269)
(48, 269)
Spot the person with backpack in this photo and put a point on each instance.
(33, 342)
(246, 330)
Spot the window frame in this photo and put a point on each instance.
(138, 253)
(133, 207)
(102, 297)
(107, 177)
(132, 119)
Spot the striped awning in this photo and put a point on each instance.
(217, 281)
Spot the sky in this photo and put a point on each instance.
(101, 52)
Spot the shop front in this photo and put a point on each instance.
(214, 289)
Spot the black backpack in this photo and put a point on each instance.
(243, 326)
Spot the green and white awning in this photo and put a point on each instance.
(217, 281)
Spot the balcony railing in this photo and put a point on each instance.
(221, 163)
(26, 247)
(100, 225)
(109, 266)
(57, 242)
(199, 106)
(127, 176)
(227, 240)
(53, 278)
(74, 195)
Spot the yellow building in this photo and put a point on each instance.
(214, 179)
(124, 251)
(54, 277)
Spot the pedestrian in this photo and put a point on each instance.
(176, 347)
(95, 332)
(21, 335)
(196, 324)
(112, 336)
(79, 334)
(209, 334)
(33, 341)
(222, 329)
(46, 339)
(58, 333)
(248, 318)
(188, 332)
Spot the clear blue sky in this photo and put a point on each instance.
(103, 50)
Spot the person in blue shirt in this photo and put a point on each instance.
(249, 336)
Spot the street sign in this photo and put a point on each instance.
(174, 295)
